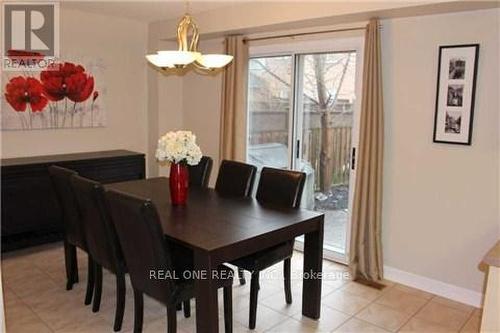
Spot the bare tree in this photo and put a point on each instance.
(327, 97)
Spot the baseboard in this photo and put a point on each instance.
(436, 287)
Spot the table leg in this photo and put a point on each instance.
(313, 266)
(207, 312)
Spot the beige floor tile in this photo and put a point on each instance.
(383, 316)
(266, 317)
(44, 300)
(330, 319)
(327, 264)
(189, 324)
(268, 287)
(452, 304)
(19, 318)
(359, 289)
(14, 258)
(158, 325)
(28, 282)
(153, 310)
(355, 325)
(401, 301)
(345, 302)
(326, 289)
(240, 303)
(277, 302)
(14, 269)
(36, 301)
(414, 291)
(185, 325)
(335, 277)
(68, 316)
(388, 283)
(420, 326)
(473, 324)
(443, 315)
(335, 282)
(97, 325)
(240, 290)
(9, 296)
(291, 325)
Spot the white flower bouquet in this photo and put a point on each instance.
(178, 147)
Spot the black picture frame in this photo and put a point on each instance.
(455, 100)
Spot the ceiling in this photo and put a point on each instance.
(145, 11)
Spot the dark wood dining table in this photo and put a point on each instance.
(219, 230)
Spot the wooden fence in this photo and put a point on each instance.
(339, 138)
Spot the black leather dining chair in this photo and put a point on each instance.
(235, 179)
(74, 235)
(279, 189)
(102, 241)
(146, 250)
(199, 174)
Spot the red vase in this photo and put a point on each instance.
(179, 180)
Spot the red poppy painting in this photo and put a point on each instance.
(67, 80)
(22, 93)
(63, 95)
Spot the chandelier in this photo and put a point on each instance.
(187, 53)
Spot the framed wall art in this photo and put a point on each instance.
(67, 94)
(456, 88)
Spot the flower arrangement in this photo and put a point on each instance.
(178, 147)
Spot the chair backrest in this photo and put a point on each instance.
(102, 242)
(199, 174)
(144, 247)
(73, 228)
(282, 188)
(235, 179)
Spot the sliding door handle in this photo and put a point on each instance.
(353, 158)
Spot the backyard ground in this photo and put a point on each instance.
(334, 204)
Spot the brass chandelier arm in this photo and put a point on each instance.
(185, 24)
(194, 39)
(200, 66)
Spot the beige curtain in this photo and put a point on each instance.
(234, 102)
(366, 249)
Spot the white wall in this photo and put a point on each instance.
(121, 43)
(201, 107)
(441, 202)
(440, 211)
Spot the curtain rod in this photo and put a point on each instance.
(245, 40)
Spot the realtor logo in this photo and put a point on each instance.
(30, 39)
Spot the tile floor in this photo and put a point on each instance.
(36, 301)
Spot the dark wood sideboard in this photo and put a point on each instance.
(30, 211)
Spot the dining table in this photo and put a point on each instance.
(220, 229)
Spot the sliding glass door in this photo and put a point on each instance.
(270, 99)
(303, 114)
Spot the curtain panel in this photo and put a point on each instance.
(233, 126)
(365, 256)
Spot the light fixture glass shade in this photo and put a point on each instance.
(214, 60)
(158, 61)
(178, 58)
(187, 52)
